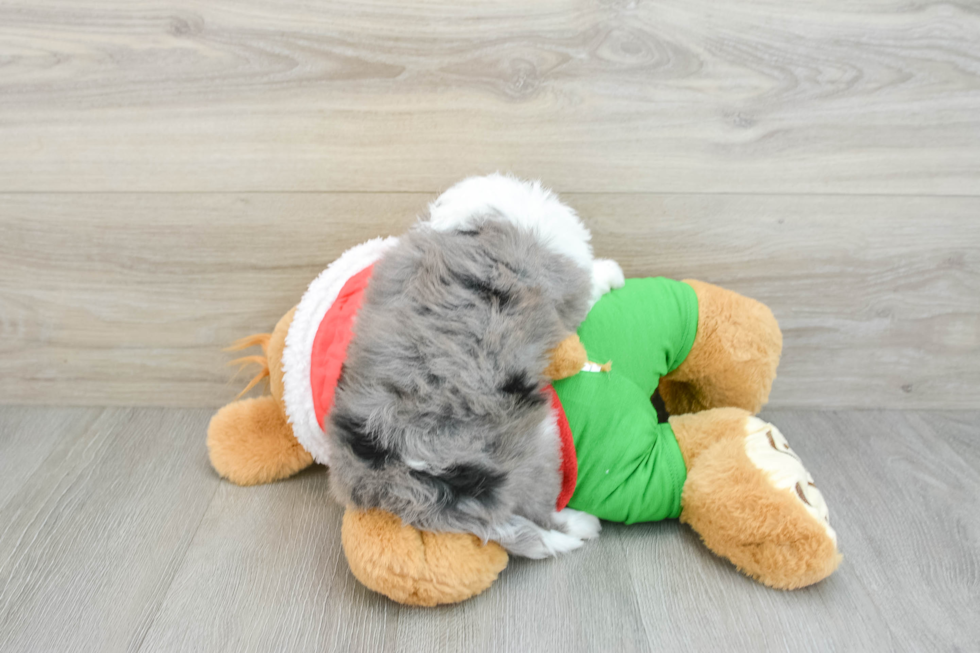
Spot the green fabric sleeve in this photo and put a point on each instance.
(646, 328)
(630, 468)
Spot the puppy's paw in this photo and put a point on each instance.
(606, 275)
(578, 524)
(555, 543)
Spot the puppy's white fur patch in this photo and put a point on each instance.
(524, 203)
(523, 537)
(606, 276)
(542, 543)
(419, 465)
(555, 543)
(529, 205)
(578, 524)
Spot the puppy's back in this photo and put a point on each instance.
(439, 413)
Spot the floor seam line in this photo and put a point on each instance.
(177, 567)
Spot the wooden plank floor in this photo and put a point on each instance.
(115, 535)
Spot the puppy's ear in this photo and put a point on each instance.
(567, 359)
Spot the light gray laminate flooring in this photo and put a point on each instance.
(116, 535)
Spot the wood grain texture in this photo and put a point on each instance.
(266, 571)
(91, 539)
(123, 539)
(129, 298)
(28, 436)
(908, 495)
(671, 96)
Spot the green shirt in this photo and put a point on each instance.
(630, 468)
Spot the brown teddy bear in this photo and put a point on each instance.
(729, 475)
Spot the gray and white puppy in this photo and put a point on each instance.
(439, 415)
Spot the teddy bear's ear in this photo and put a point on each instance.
(417, 567)
(567, 359)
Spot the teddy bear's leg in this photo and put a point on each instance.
(734, 357)
(250, 441)
(751, 500)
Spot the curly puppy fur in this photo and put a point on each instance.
(439, 415)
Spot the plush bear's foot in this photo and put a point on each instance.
(751, 500)
(250, 442)
(417, 567)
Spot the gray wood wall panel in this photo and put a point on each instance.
(125, 299)
(692, 96)
(826, 160)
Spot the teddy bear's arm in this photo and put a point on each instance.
(567, 358)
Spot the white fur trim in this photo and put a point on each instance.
(529, 205)
(768, 450)
(297, 391)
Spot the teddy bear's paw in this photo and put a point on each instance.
(578, 524)
(417, 567)
(769, 450)
(606, 275)
(752, 501)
